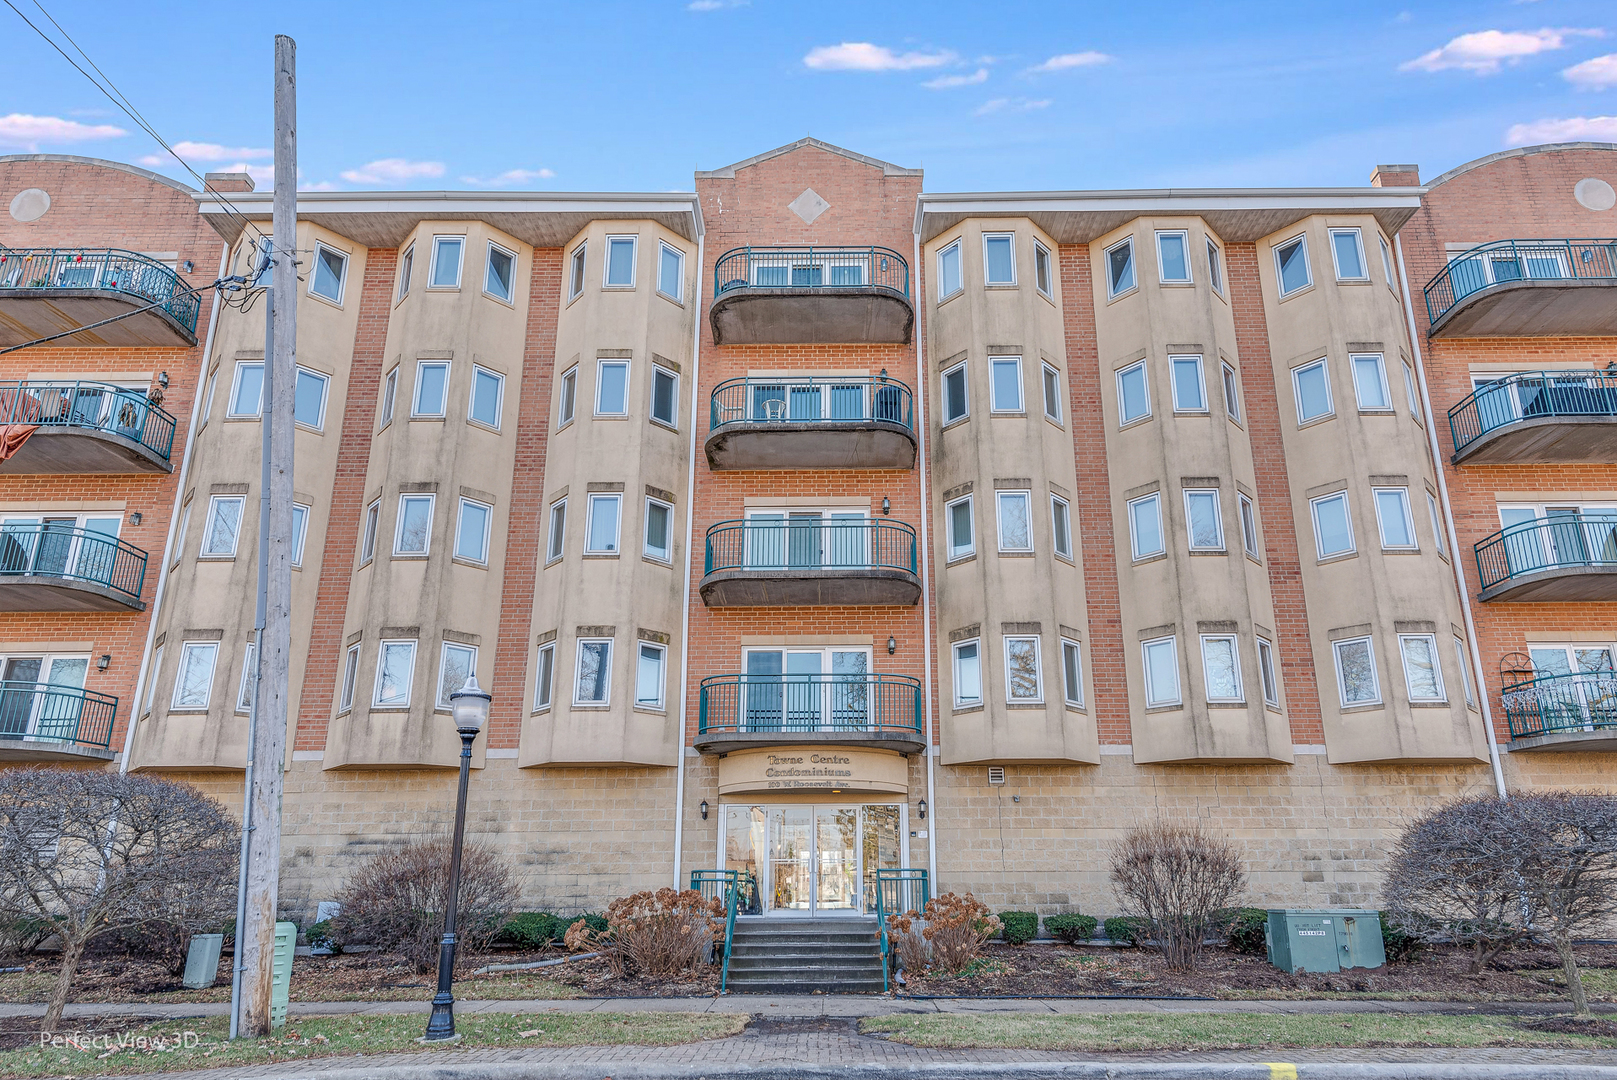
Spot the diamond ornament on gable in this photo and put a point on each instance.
(808, 206)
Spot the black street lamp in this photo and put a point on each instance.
(470, 704)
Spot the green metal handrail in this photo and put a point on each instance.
(1506, 261)
(907, 887)
(1530, 395)
(108, 269)
(874, 704)
(810, 543)
(876, 269)
(1556, 704)
(42, 711)
(730, 884)
(1566, 541)
(95, 406)
(72, 554)
(811, 400)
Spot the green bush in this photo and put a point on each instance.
(1018, 927)
(596, 923)
(1127, 929)
(1399, 946)
(321, 936)
(1072, 929)
(532, 930)
(1245, 928)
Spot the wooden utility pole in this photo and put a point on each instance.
(256, 936)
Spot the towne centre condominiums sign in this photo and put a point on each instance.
(812, 769)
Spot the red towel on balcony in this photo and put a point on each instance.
(12, 436)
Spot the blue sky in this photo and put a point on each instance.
(609, 95)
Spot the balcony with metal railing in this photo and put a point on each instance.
(1538, 416)
(58, 566)
(85, 427)
(853, 422)
(1526, 288)
(876, 711)
(44, 722)
(45, 291)
(792, 559)
(1566, 556)
(826, 295)
(1563, 712)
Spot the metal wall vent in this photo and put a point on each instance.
(996, 774)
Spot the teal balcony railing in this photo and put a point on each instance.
(854, 703)
(810, 542)
(93, 406)
(64, 714)
(59, 550)
(1532, 395)
(1507, 261)
(896, 892)
(1558, 542)
(872, 268)
(812, 400)
(1562, 704)
(108, 269)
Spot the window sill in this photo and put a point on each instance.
(1215, 552)
(1007, 412)
(411, 556)
(396, 710)
(1400, 551)
(1315, 421)
(1024, 705)
(1430, 705)
(610, 416)
(1176, 284)
(216, 558)
(956, 423)
(1369, 706)
(602, 705)
(1055, 421)
(300, 426)
(1124, 295)
(945, 299)
(502, 301)
(618, 288)
(324, 300)
(1068, 559)
(1235, 420)
(1193, 412)
(1251, 558)
(1344, 557)
(188, 712)
(1305, 290)
(676, 301)
(1143, 559)
(654, 561)
(540, 711)
(343, 712)
(243, 419)
(962, 710)
(553, 562)
(491, 429)
(428, 419)
(1016, 554)
(573, 298)
(563, 426)
(475, 565)
(385, 425)
(1050, 299)
(1378, 412)
(1137, 422)
(650, 711)
(1152, 709)
(1076, 708)
(960, 560)
(1227, 705)
(1354, 281)
(990, 286)
(441, 288)
(602, 555)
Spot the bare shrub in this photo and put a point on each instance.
(1564, 846)
(1176, 877)
(657, 935)
(957, 928)
(96, 852)
(395, 901)
(904, 935)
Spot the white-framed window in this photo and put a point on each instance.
(1291, 266)
(1006, 383)
(300, 531)
(601, 528)
(1052, 393)
(575, 272)
(309, 398)
(1221, 667)
(1133, 394)
(431, 388)
(447, 254)
(1204, 524)
(1347, 251)
(1266, 670)
(1173, 257)
(956, 403)
(488, 397)
(650, 666)
(406, 266)
(962, 535)
(1015, 522)
(1061, 526)
(395, 671)
(1356, 677)
(999, 258)
(1423, 675)
(1119, 259)
(1249, 524)
(1215, 267)
(244, 693)
(472, 530)
(179, 536)
(1189, 386)
(592, 675)
(1333, 530)
(413, 536)
(558, 529)
(1024, 677)
(456, 664)
(949, 278)
(620, 257)
(390, 394)
(220, 535)
(659, 529)
(193, 684)
(567, 400)
(350, 674)
(1145, 525)
(1232, 393)
(499, 278)
(1370, 382)
(1437, 525)
(664, 396)
(611, 388)
(151, 680)
(1465, 672)
(1072, 672)
(1411, 393)
(670, 271)
(544, 676)
(1386, 260)
(1311, 384)
(367, 548)
(330, 273)
(968, 673)
(1043, 278)
(1392, 514)
(247, 391)
(1160, 657)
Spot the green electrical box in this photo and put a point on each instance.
(1324, 939)
(286, 940)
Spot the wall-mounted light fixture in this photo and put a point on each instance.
(886, 505)
(103, 661)
(1016, 798)
(704, 809)
(920, 809)
(162, 379)
(892, 645)
(188, 266)
(134, 519)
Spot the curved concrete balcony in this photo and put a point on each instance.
(1564, 557)
(763, 422)
(46, 291)
(60, 567)
(41, 722)
(825, 295)
(1563, 712)
(810, 559)
(1526, 288)
(84, 427)
(739, 712)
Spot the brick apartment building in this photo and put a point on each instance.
(813, 524)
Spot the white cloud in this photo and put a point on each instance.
(1485, 51)
(1570, 129)
(206, 152)
(949, 82)
(29, 133)
(393, 170)
(509, 177)
(998, 105)
(863, 56)
(1597, 74)
(1068, 61)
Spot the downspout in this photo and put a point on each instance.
(1448, 521)
(174, 518)
(690, 526)
(926, 562)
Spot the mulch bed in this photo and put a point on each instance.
(22, 1033)
(594, 978)
(1570, 1025)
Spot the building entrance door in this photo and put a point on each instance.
(812, 860)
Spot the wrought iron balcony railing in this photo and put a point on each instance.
(1562, 541)
(64, 714)
(1562, 704)
(810, 542)
(107, 269)
(802, 704)
(72, 554)
(91, 405)
(1506, 261)
(811, 400)
(1531, 395)
(871, 268)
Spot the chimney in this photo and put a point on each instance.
(228, 181)
(1395, 176)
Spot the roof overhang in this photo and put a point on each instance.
(1239, 215)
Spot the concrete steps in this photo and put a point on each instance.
(806, 956)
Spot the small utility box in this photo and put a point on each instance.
(286, 940)
(202, 960)
(1324, 939)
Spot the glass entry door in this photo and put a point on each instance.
(812, 860)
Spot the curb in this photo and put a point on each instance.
(1074, 1070)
